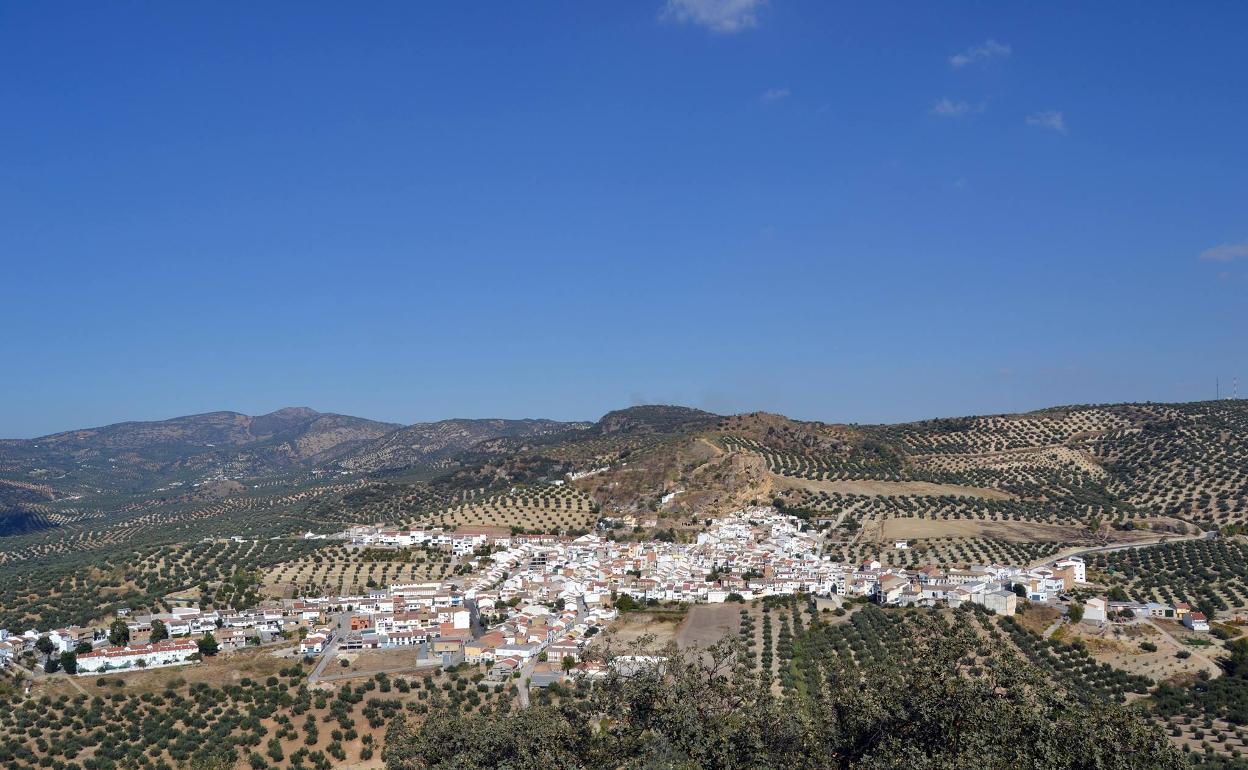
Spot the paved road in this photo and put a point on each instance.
(326, 655)
(342, 623)
(1050, 560)
(1049, 631)
(526, 671)
(529, 666)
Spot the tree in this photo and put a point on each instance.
(1020, 590)
(207, 645)
(568, 663)
(51, 665)
(45, 646)
(83, 647)
(1117, 594)
(118, 633)
(1075, 612)
(159, 631)
(708, 710)
(1207, 608)
(69, 662)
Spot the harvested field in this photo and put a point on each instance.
(1012, 531)
(708, 623)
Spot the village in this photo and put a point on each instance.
(531, 605)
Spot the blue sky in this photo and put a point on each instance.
(840, 211)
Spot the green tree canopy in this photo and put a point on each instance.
(118, 633)
(159, 631)
(708, 711)
(207, 645)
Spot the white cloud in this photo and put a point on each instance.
(776, 94)
(1226, 252)
(949, 108)
(1052, 120)
(991, 49)
(722, 16)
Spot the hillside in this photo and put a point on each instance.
(1117, 465)
(1058, 472)
(22, 508)
(436, 443)
(1012, 489)
(131, 456)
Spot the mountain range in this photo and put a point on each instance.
(1184, 462)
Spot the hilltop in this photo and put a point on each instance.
(1170, 466)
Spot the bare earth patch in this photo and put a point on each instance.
(634, 626)
(1012, 531)
(1119, 646)
(708, 623)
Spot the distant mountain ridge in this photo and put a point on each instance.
(303, 438)
(1178, 460)
(131, 454)
(431, 443)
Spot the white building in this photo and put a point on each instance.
(313, 644)
(1196, 621)
(1076, 566)
(170, 652)
(1094, 610)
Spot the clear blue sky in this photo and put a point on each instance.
(840, 211)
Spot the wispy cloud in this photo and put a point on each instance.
(1052, 120)
(1227, 252)
(722, 16)
(776, 94)
(950, 108)
(991, 49)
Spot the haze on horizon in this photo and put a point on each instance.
(835, 212)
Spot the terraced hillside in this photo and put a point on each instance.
(529, 508)
(996, 488)
(1210, 574)
(88, 586)
(1071, 475)
(791, 644)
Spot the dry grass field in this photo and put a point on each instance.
(1119, 646)
(654, 627)
(708, 623)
